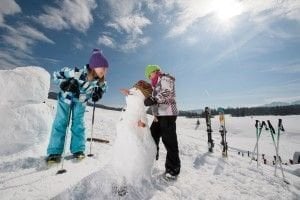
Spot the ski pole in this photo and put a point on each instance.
(62, 170)
(92, 131)
(257, 138)
(259, 126)
(257, 123)
(276, 149)
(280, 128)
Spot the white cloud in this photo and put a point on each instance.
(191, 40)
(8, 7)
(23, 37)
(190, 11)
(131, 24)
(14, 58)
(128, 19)
(130, 43)
(75, 14)
(165, 5)
(33, 34)
(106, 41)
(78, 43)
(269, 10)
(293, 67)
(18, 40)
(133, 43)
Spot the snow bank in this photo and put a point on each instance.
(24, 84)
(24, 119)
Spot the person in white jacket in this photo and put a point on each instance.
(165, 111)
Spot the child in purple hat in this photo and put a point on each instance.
(77, 87)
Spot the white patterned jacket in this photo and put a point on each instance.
(164, 93)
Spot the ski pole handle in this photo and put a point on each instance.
(263, 124)
(271, 127)
(256, 123)
(280, 126)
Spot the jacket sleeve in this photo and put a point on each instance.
(63, 75)
(90, 89)
(166, 92)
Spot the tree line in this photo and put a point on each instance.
(248, 111)
(235, 112)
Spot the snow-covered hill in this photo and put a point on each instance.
(24, 175)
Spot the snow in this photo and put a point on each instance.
(24, 119)
(25, 128)
(24, 85)
(134, 149)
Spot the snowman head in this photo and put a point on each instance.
(134, 98)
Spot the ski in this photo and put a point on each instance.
(209, 130)
(223, 132)
(97, 140)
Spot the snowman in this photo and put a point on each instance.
(134, 149)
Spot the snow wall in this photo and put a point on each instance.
(24, 116)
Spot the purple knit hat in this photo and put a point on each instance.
(97, 60)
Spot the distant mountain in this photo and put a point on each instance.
(296, 102)
(275, 104)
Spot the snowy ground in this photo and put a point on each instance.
(24, 175)
(204, 175)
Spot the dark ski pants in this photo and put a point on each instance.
(165, 128)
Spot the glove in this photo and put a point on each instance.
(150, 101)
(97, 94)
(70, 85)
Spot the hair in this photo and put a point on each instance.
(88, 68)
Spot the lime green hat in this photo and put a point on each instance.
(151, 68)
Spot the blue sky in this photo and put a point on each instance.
(222, 52)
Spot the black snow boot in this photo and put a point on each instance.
(79, 155)
(53, 158)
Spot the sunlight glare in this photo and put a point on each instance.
(227, 9)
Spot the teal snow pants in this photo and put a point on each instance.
(59, 127)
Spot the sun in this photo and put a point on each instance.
(227, 9)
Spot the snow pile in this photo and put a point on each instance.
(24, 85)
(24, 118)
(134, 148)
